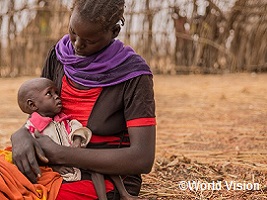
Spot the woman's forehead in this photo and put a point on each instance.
(83, 25)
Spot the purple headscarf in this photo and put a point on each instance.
(113, 65)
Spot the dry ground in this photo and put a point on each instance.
(211, 129)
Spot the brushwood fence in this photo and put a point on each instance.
(173, 37)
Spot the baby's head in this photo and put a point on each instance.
(39, 95)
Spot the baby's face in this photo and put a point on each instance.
(47, 101)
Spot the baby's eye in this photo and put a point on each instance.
(48, 93)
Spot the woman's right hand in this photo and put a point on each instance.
(25, 151)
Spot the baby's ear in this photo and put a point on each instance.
(116, 30)
(31, 105)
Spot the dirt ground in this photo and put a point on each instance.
(211, 131)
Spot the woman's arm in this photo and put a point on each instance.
(25, 151)
(136, 159)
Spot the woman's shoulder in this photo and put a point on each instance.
(52, 68)
(142, 85)
(142, 80)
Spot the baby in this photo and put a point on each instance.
(39, 97)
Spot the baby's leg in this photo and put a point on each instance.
(99, 184)
(120, 186)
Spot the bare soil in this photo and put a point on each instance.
(210, 129)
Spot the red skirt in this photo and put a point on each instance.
(80, 190)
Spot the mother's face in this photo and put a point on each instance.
(88, 37)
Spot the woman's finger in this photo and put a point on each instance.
(40, 153)
(28, 172)
(19, 166)
(18, 163)
(34, 166)
(37, 134)
(38, 150)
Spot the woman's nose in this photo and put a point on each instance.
(78, 44)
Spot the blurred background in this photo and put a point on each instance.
(209, 128)
(174, 36)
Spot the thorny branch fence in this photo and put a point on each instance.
(197, 36)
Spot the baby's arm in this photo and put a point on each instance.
(77, 141)
(80, 136)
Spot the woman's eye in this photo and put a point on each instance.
(90, 42)
(48, 94)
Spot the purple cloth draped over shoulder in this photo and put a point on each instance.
(115, 64)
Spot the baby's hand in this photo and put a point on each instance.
(77, 141)
(62, 169)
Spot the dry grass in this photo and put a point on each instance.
(211, 129)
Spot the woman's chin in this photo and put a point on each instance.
(80, 55)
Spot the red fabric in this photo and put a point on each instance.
(80, 190)
(75, 101)
(141, 122)
(99, 139)
(111, 140)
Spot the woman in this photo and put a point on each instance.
(107, 87)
